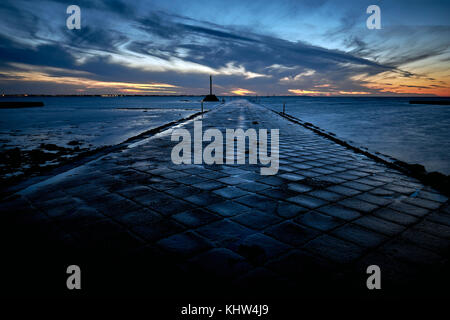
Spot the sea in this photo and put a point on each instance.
(391, 126)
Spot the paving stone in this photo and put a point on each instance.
(190, 180)
(164, 185)
(427, 204)
(437, 229)
(175, 175)
(230, 192)
(344, 190)
(340, 212)
(346, 176)
(400, 189)
(154, 199)
(337, 250)
(292, 176)
(359, 205)
(322, 171)
(314, 219)
(409, 209)
(380, 192)
(256, 219)
(204, 199)
(228, 208)
(260, 247)
(77, 218)
(134, 191)
(131, 199)
(360, 236)
(307, 174)
(212, 175)
(277, 194)
(326, 195)
(379, 201)
(172, 207)
(224, 231)
(271, 180)
(357, 186)
(395, 216)
(160, 171)
(184, 191)
(432, 196)
(138, 217)
(264, 204)
(233, 180)
(184, 244)
(439, 217)
(289, 210)
(307, 201)
(59, 206)
(301, 166)
(253, 186)
(380, 225)
(332, 180)
(195, 217)
(155, 231)
(114, 205)
(358, 173)
(208, 185)
(286, 169)
(234, 171)
(370, 182)
(251, 176)
(292, 233)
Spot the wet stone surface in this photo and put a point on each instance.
(326, 207)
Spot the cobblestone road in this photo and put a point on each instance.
(328, 208)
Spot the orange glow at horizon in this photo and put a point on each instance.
(41, 76)
(326, 93)
(309, 92)
(423, 81)
(242, 92)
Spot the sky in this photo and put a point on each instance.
(250, 47)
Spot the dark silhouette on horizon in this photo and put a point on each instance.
(210, 96)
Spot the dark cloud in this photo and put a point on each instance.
(119, 28)
(52, 55)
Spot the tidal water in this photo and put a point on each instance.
(94, 121)
(391, 126)
(411, 133)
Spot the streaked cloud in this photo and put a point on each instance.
(288, 47)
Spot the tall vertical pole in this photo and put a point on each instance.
(202, 106)
(284, 107)
(210, 84)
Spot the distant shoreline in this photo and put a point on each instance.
(20, 104)
(202, 95)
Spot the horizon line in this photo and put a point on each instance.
(202, 95)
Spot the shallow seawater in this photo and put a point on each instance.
(411, 133)
(391, 126)
(94, 121)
